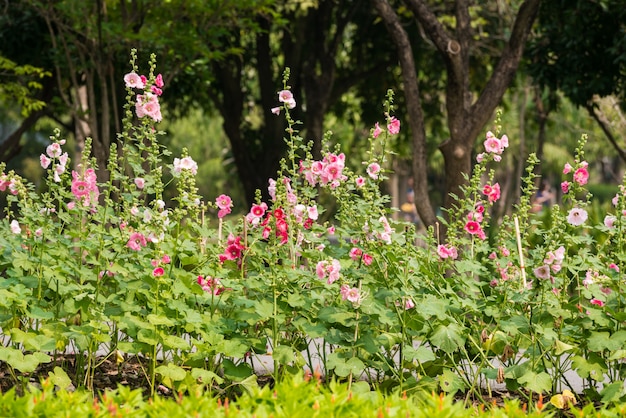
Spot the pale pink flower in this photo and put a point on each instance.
(54, 150)
(609, 221)
(492, 145)
(285, 96)
(140, 182)
(186, 163)
(447, 251)
(409, 304)
(312, 211)
(542, 272)
(134, 81)
(63, 158)
(589, 278)
(581, 176)
(271, 188)
(393, 126)
(166, 259)
(45, 161)
(615, 200)
(577, 216)
(480, 157)
(377, 130)
(373, 170)
(15, 227)
(38, 232)
(275, 110)
(504, 141)
(360, 182)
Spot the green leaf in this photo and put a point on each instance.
(206, 377)
(283, 354)
(612, 392)
(237, 373)
(60, 378)
(593, 366)
(334, 315)
(160, 320)
(448, 338)
(450, 382)
(536, 382)
(344, 367)
(176, 342)
(422, 354)
(171, 371)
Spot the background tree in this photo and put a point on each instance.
(467, 113)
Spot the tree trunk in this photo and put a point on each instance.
(414, 110)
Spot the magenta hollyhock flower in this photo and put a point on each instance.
(577, 216)
(367, 259)
(136, 241)
(158, 272)
(393, 126)
(472, 227)
(614, 266)
(565, 186)
(158, 81)
(377, 130)
(596, 302)
(581, 176)
(80, 188)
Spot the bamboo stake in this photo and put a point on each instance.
(519, 250)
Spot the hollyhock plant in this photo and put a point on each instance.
(393, 126)
(577, 216)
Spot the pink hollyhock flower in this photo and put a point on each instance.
(186, 163)
(158, 272)
(312, 211)
(350, 294)
(480, 157)
(275, 110)
(615, 200)
(140, 182)
(45, 161)
(614, 266)
(355, 253)
(285, 96)
(54, 150)
(373, 170)
(258, 210)
(156, 91)
(472, 227)
(136, 241)
(15, 227)
(377, 130)
(581, 176)
(492, 144)
(409, 304)
(542, 272)
(609, 221)
(596, 302)
(80, 188)
(487, 189)
(577, 216)
(447, 251)
(567, 168)
(331, 230)
(158, 81)
(367, 259)
(360, 182)
(393, 126)
(134, 81)
(166, 259)
(565, 186)
(224, 202)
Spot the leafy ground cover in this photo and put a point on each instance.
(100, 274)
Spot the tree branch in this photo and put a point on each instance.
(604, 125)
